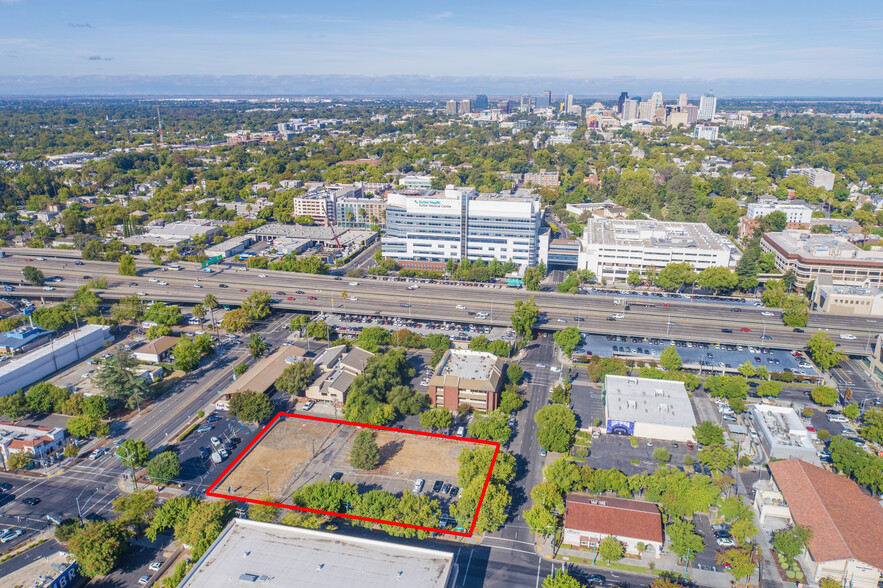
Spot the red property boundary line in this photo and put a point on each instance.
(263, 432)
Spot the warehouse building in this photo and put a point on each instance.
(782, 433)
(23, 339)
(264, 554)
(644, 407)
(467, 377)
(811, 255)
(613, 248)
(35, 365)
(230, 247)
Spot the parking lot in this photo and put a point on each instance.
(459, 332)
(717, 356)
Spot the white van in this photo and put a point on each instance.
(461, 431)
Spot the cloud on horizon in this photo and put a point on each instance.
(99, 58)
(80, 25)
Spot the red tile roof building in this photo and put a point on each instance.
(847, 524)
(36, 441)
(589, 519)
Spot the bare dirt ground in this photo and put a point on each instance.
(415, 456)
(284, 450)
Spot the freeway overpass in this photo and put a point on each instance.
(688, 320)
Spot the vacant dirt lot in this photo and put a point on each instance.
(414, 456)
(284, 450)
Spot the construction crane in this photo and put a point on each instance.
(334, 234)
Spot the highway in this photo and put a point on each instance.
(688, 320)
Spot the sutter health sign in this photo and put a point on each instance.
(420, 204)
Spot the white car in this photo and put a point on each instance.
(216, 442)
(726, 542)
(618, 315)
(353, 298)
(555, 368)
(48, 288)
(354, 283)
(155, 566)
(140, 293)
(197, 285)
(541, 365)
(41, 259)
(262, 275)
(847, 336)
(163, 283)
(766, 313)
(96, 454)
(461, 307)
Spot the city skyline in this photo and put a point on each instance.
(769, 49)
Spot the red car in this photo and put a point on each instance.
(689, 445)
(291, 297)
(311, 298)
(746, 330)
(242, 290)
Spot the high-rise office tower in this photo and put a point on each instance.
(629, 110)
(568, 103)
(464, 106)
(544, 100)
(481, 102)
(682, 100)
(623, 96)
(525, 101)
(656, 101)
(707, 106)
(451, 107)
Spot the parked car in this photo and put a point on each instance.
(155, 566)
(336, 476)
(310, 404)
(31, 500)
(204, 428)
(215, 442)
(418, 485)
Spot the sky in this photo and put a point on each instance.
(761, 42)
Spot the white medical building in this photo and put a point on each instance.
(613, 248)
(424, 231)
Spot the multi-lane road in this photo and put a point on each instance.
(676, 319)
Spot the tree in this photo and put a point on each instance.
(71, 450)
(824, 396)
(769, 389)
(493, 426)
(707, 433)
(126, 266)
(568, 338)
(669, 359)
(718, 279)
(675, 276)
(128, 309)
(251, 406)
(296, 378)
(118, 380)
(524, 317)
(514, 372)
(511, 399)
(163, 314)
(187, 355)
(611, 549)
(98, 547)
(373, 338)
(738, 562)
(135, 508)
(829, 583)
(173, 514)
(365, 455)
(633, 278)
(235, 320)
(164, 468)
(204, 524)
(851, 411)
(683, 537)
(533, 276)
(662, 455)
(318, 330)
(83, 425)
(18, 460)
(872, 425)
(561, 394)
(32, 275)
(762, 372)
(134, 453)
(45, 397)
(256, 345)
(263, 512)
(717, 457)
(796, 311)
(540, 519)
(556, 425)
(792, 541)
(561, 579)
(823, 351)
(747, 370)
(257, 305)
(440, 418)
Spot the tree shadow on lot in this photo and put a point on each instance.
(365, 488)
(390, 450)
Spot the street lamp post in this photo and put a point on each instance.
(131, 463)
(79, 511)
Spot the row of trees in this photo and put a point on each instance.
(379, 394)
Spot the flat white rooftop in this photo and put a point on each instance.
(645, 400)
(469, 365)
(652, 233)
(250, 553)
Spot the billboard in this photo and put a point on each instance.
(620, 427)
